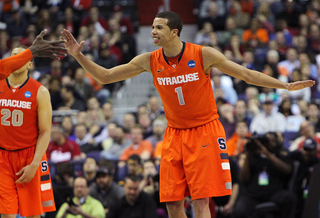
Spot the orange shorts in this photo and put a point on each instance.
(194, 162)
(28, 199)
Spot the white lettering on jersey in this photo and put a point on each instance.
(15, 103)
(178, 79)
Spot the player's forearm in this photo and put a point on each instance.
(41, 147)
(261, 79)
(96, 71)
(13, 63)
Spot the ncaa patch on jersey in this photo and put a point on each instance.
(191, 64)
(27, 94)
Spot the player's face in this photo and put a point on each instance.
(161, 33)
(26, 67)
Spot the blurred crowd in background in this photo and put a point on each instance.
(116, 155)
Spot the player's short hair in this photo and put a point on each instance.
(174, 20)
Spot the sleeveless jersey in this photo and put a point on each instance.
(19, 115)
(185, 89)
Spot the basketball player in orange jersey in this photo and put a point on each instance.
(194, 160)
(39, 48)
(25, 116)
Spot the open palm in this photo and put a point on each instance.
(300, 85)
(74, 48)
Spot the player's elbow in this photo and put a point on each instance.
(104, 78)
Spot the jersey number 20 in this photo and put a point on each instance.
(15, 118)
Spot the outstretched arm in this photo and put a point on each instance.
(213, 58)
(39, 48)
(136, 66)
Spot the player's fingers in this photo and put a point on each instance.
(57, 42)
(43, 32)
(66, 34)
(20, 180)
(20, 172)
(59, 48)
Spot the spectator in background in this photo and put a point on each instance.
(70, 21)
(203, 37)
(126, 25)
(255, 36)
(81, 7)
(54, 89)
(44, 21)
(94, 18)
(145, 122)
(84, 139)
(226, 112)
(120, 143)
(18, 25)
(158, 129)
(155, 108)
(61, 149)
(242, 18)
(313, 115)
(69, 99)
(68, 127)
(6, 7)
(290, 12)
(134, 203)
(306, 131)
(263, 178)
(270, 67)
(268, 120)
(266, 17)
(139, 146)
(286, 67)
(306, 159)
(108, 142)
(90, 168)
(133, 166)
(238, 139)
(304, 24)
(105, 189)
(128, 122)
(229, 93)
(150, 185)
(230, 29)
(82, 203)
(84, 89)
(217, 21)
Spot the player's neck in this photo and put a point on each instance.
(17, 80)
(173, 49)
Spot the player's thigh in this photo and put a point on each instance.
(8, 192)
(206, 162)
(173, 185)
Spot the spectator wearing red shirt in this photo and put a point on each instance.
(61, 149)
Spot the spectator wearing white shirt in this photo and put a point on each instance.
(268, 120)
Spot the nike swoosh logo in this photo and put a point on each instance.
(205, 145)
(158, 71)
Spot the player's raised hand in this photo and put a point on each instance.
(44, 48)
(74, 48)
(300, 85)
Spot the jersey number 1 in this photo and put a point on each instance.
(16, 117)
(178, 90)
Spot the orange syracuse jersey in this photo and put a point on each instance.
(19, 116)
(185, 89)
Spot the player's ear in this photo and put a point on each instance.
(175, 31)
(30, 64)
